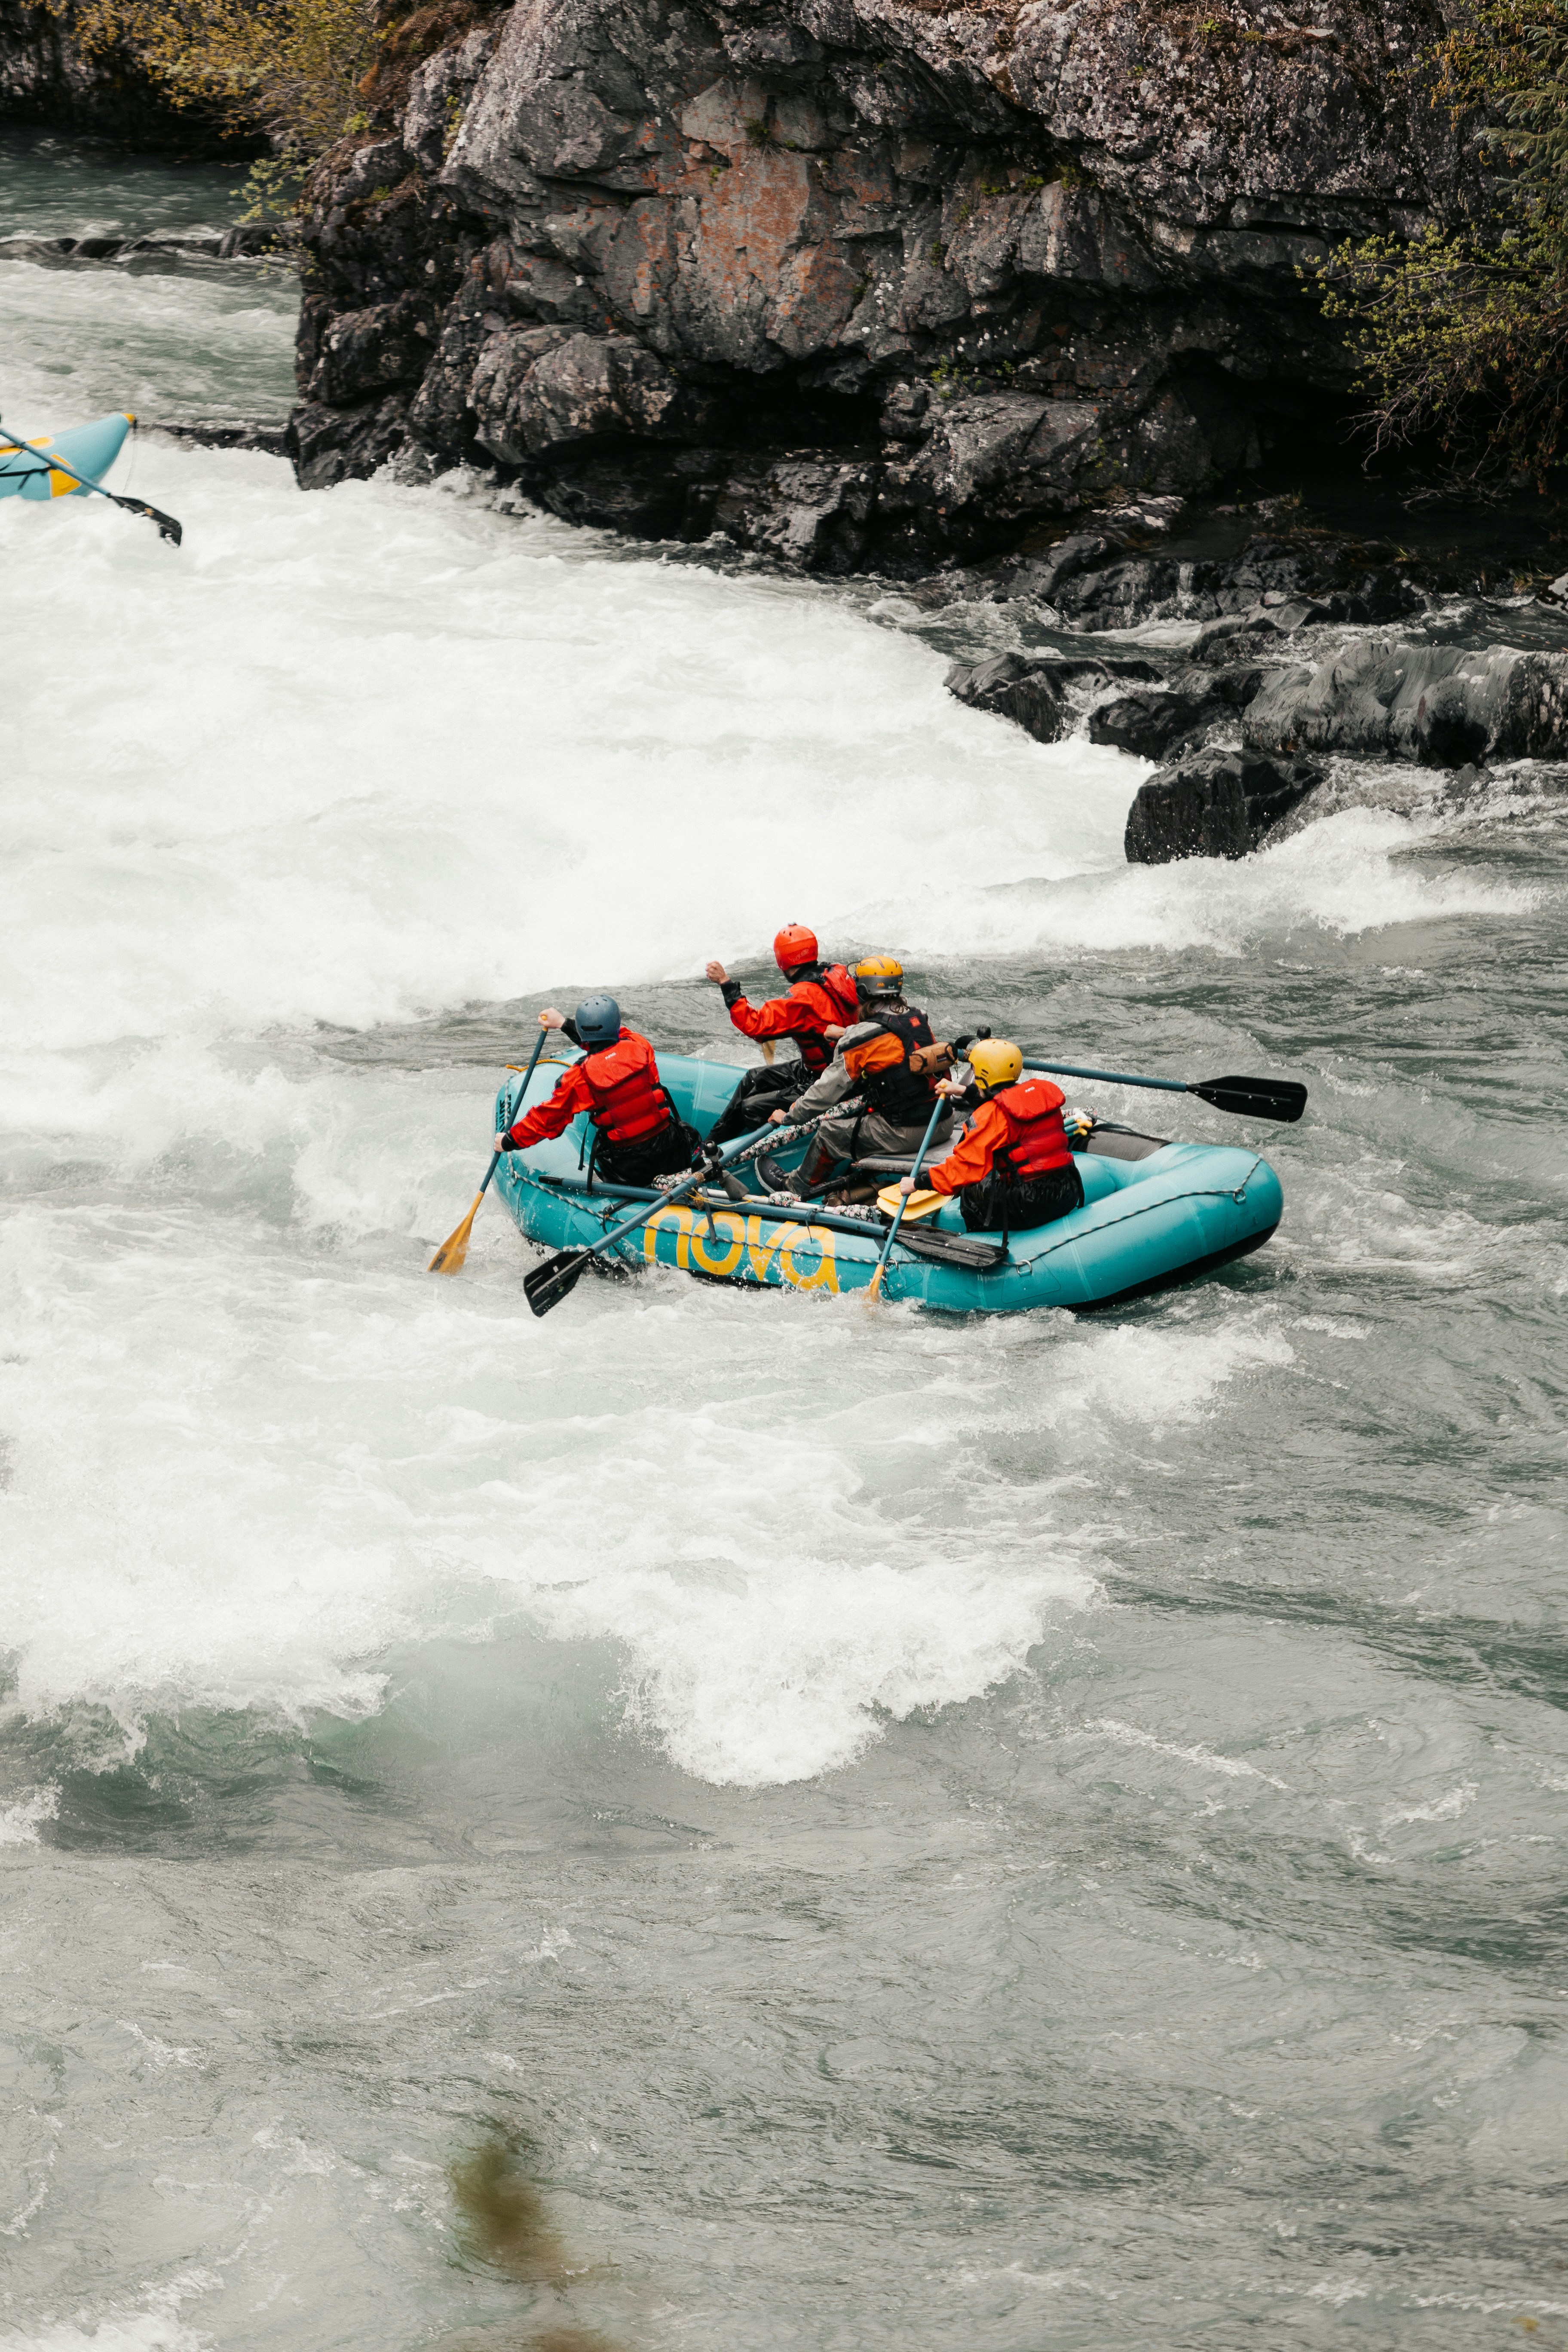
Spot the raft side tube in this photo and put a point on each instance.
(27, 469)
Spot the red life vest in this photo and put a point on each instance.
(1036, 1139)
(830, 992)
(626, 1099)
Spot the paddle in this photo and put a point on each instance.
(450, 1257)
(167, 527)
(1278, 1098)
(874, 1285)
(549, 1283)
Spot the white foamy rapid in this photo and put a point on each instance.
(374, 755)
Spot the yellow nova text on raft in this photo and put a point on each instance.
(744, 1249)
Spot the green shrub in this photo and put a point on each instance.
(1463, 331)
(289, 68)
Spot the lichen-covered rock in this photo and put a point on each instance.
(438, 94)
(1436, 705)
(1217, 805)
(994, 266)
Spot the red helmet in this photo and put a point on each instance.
(795, 945)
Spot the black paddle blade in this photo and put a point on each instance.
(167, 527)
(548, 1285)
(1278, 1098)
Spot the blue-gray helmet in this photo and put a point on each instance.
(598, 1020)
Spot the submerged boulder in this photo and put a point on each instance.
(1219, 805)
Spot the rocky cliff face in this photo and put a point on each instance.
(856, 281)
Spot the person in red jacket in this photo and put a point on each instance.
(1013, 1167)
(818, 1005)
(888, 1067)
(617, 1083)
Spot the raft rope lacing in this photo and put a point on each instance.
(1145, 1209)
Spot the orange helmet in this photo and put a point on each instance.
(795, 945)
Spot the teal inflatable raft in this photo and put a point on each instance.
(32, 470)
(1154, 1214)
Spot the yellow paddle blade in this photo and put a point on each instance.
(449, 1258)
(922, 1203)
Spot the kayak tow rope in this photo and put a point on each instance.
(14, 446)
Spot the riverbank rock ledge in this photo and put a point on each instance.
(1434, 705)
(854, 282)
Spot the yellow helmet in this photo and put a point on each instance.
(876, 976)
(994, 1063)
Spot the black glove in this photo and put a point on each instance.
(961, 1046)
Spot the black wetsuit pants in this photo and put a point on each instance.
(1000, 1205)
(668, 1153)
(773, 1087)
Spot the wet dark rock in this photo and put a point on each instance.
(363, 352)
(928, 277)
(1217, 805)
(538, 389)
(339, 445)
(1270, 589)
(1151, 723)
(807, 510)
(1014, 688)
(1032, 689)
(630, 490)
(1439, 705)
(237, 244)
(223, 433)
(248, 238)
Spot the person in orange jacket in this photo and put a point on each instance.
(638, 1136)
(890, 1059)
(1013, 1167)
(818, 1005)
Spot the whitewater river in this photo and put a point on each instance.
(909, 1832)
